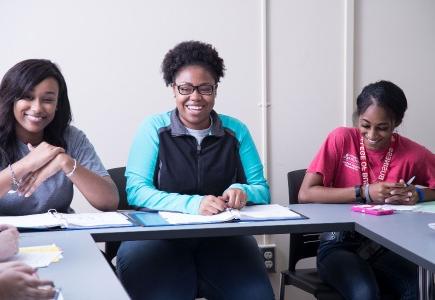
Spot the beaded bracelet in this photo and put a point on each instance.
(73, 170)
(15, 183)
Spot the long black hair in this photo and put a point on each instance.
(18, 82)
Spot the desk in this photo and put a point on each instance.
(83, 272)
(404, 233)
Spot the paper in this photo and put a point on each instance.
(248, 213)
(38, 256)
(91, 220)
(427, 207)
(79, 220)
(399, 207)
(46, 220)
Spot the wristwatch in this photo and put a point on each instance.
(358, 197)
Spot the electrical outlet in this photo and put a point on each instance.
(268, 255)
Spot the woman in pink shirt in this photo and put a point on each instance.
(369, 164)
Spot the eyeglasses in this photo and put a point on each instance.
(203, 89)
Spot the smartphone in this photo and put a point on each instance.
(376, 210)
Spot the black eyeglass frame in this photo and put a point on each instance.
(196, 87)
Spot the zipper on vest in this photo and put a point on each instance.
(198, 175)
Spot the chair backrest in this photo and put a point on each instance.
(302, 245)
(118, 176)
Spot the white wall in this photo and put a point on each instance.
(110, 53)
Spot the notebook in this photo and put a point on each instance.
(53, 219)
(248, 213)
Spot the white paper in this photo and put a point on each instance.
(399, 207)
(79, 220)
(248, 213)
(180, 218)
(37, 260)
(100, 219)
(45, 220)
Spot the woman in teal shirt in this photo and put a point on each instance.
(196, 161)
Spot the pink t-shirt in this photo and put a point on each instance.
(338, 161)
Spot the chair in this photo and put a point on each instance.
(303, 245)
(117, 174)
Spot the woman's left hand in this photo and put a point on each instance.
(35, 179)
(235, 198)
(405, 195)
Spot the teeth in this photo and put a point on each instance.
(34, 118)
(194, 107)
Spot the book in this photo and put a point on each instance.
(53, 219)
(247, 213)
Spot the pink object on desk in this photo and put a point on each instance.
(376, 210)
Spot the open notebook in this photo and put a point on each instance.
(52, 219)
(248, 213)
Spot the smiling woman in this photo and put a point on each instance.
(41, 155)
(369, 163)
(196, 161)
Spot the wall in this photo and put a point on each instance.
(110, 53)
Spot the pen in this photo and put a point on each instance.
(410, 181)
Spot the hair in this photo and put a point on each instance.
(20, 81)
(192, 53)
(385, 94)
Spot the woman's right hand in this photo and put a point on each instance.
(211, 205)
(40, 155)
(20, 282)
(8, 241)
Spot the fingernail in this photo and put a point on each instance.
(27, 195)
(409, 194)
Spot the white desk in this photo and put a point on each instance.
(405, 233)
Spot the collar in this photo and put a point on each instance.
(178, 128)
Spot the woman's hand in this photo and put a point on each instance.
(403, 194)
(20, 282)
(8, 241)
(211, 205)
(40, 155)
(393, 193)
(31, 182)
(235, 198)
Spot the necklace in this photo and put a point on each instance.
(364, 163)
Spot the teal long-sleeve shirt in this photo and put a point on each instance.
(160, 162)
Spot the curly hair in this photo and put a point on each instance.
(192, 53)
(19, 81)
(386, 95)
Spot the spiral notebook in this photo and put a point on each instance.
(248, 213)
(53, 219)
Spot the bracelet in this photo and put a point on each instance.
(420, 194)
(358, 197)
(73, 170)
(367, 193)
(15, 183)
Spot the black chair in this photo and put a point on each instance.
(303, 245)
(117, 174)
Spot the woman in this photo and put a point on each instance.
(196, 161)
(18, 280)
(369, 164)
(42, 156)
